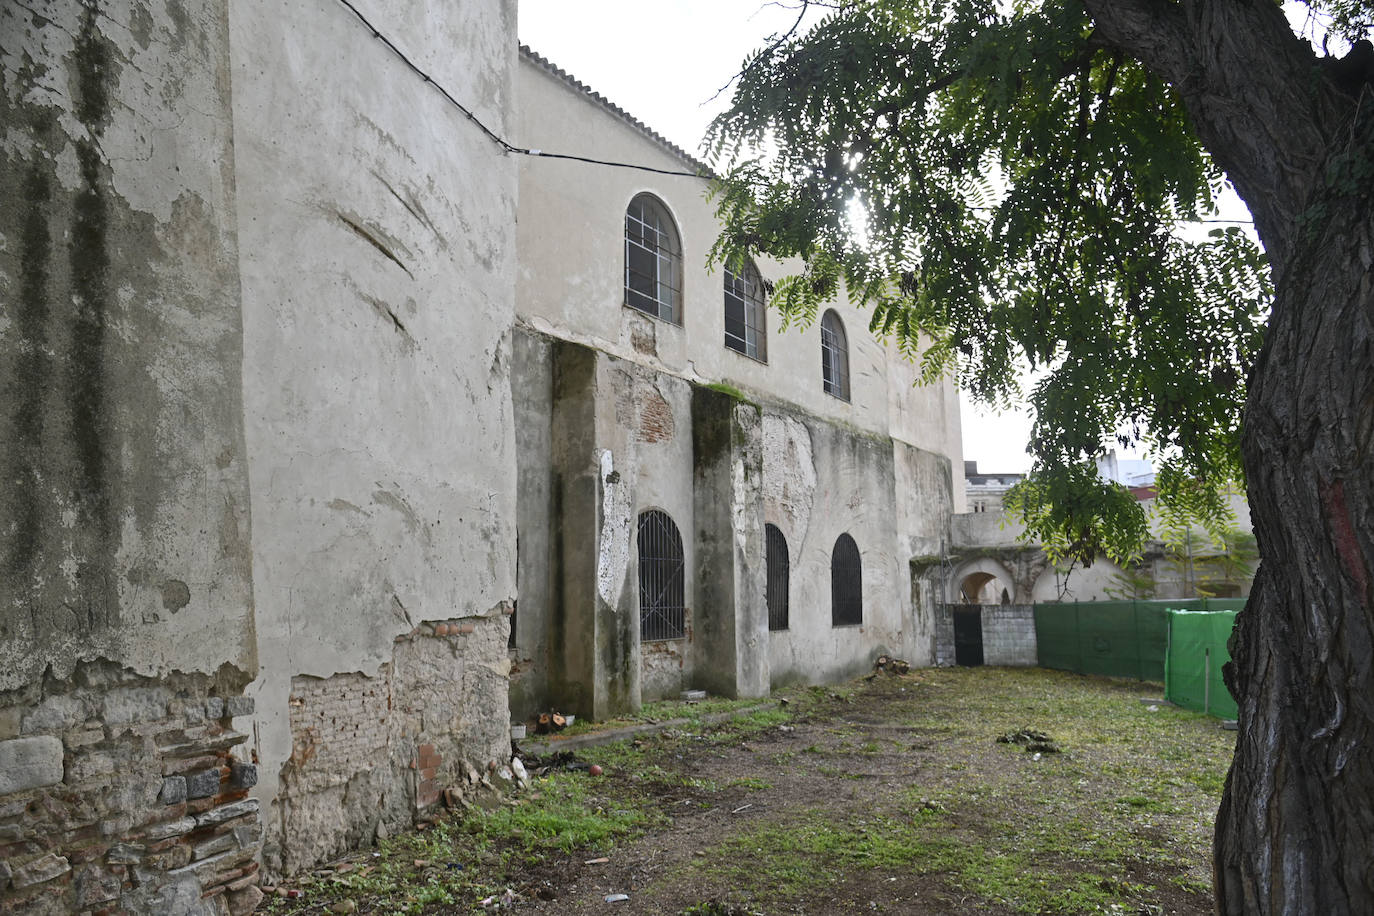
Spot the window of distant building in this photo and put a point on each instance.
(834, 356)
(653, 260)
(846, 583)
(744, 328)
(662, 578)
(776, 590)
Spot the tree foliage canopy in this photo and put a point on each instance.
(1002, 188)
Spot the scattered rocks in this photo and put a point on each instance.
(1033, 741)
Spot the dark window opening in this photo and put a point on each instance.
(777, 585)
(653, 260)
(662, 580)
(846, 583)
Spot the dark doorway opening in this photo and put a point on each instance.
(968, 636)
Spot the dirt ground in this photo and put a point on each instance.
(863, 758)
(890, 795)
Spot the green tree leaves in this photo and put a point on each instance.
(1000, 189)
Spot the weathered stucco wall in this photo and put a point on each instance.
(126, 609)
(885, 465)
(125, 504)
(376, 234)
(571, 279)
(820, 481)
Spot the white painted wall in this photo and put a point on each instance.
(571, 276)
(379, 419)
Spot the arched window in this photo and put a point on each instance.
(834, 356)
(653, 260)
(846, 583)
(744, 328)
(778, 569)
(662, 591)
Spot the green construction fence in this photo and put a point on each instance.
(1192, 667)
(1114, 638)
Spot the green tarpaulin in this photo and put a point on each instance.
(1192, 668)
(1113, 638)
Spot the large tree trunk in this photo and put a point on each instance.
(1296, 825)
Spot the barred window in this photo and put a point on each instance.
(834, 356)
(653, 260)
(776, 590)
(744, 327)
(662, 585)
(846, 583)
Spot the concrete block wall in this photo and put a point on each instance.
(1009, 635)
(1008, 632)
(944, 636)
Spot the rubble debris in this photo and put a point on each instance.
(890, 665)
(1033, 741)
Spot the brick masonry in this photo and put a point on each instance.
(372, 752)
(126, 795)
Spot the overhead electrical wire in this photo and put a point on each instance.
(496, 138)
(524, 151)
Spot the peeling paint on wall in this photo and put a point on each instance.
(613, 557)
(790, 485)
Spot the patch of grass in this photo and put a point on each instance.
(562, 815)
(457, 862)
(752, 783)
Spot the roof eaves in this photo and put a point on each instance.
(573, 82)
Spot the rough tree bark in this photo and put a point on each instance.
(1296, 825)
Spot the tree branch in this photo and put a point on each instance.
(1252, 90)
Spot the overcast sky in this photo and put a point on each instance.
(662, 61)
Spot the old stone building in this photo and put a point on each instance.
(706, 500)
(305, 368)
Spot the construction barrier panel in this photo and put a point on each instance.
(1113, 638)
(1192, 668)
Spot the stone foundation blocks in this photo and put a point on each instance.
(30, 763)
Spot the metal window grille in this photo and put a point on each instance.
(662, 590)
(744, 327)
(846, 583)
(653, 260)
(834, 357)
(777, 585)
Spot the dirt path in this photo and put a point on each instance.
(895, 797)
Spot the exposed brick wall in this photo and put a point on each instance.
(338, 726)
(370, 753)
(122, 794)
(655, 417)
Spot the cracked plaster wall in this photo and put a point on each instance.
(126, 604)
(376, 225)
(821, 480)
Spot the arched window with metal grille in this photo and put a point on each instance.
(834, 356)
(653, 260)
(662, 579)
(846, 583)
(776, 589)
